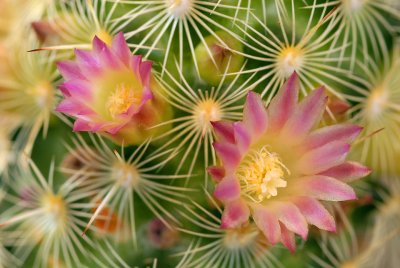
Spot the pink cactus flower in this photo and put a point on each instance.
(110, 91)
(277, 165)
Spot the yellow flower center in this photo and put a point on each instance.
(179, 8)
(206, 112)
(121, 100)
(289, 60)
(125, 174)
(261, 173)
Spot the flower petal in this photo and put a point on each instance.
(88, 64)
(228, 189)
(77, 89)
(145, 72)
(228, 154)
(324, 188)
(283, 104)
(242, 136)
(217, 173)
(307, 115)
(73, 108)
(323, 158)
(255, 115)
(268, 223)
(69, 107)
(347, 172)
(287, 238)
(235, 214)
(292, 218)
(342, 132)
(224, 131)
(108, 59)
(98, 44)
(81, 125)
(69, 70)
(315, 213)
(121, 49)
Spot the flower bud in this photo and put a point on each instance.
(160, 235)
(218, 58)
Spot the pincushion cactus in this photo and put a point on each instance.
(191, 133)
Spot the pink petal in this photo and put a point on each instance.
(78, 89)
(224, 131)
(228, 154)
(147, 94)
(268, 223)
(69, 70)
(81, 125)
(287, 238)
(255, 115)
(88, 63)
(235, 214)
(325, 188)
(98, 44)
(342, 132)
(121, 49)
(217, 173)
(283, 104)
(100, 126)
(307, 115)
(228, 189)
(292, 218)
(113, 130)
(69, 107)
(347, 172)
(242, 136)
(316, 214)
(108, 59)
(64, 91)
(145, 72)
(135, 62)
(323, 158)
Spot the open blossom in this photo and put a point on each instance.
(112, 92)
(276, 166)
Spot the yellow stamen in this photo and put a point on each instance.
(261, 173)
(121, 100)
